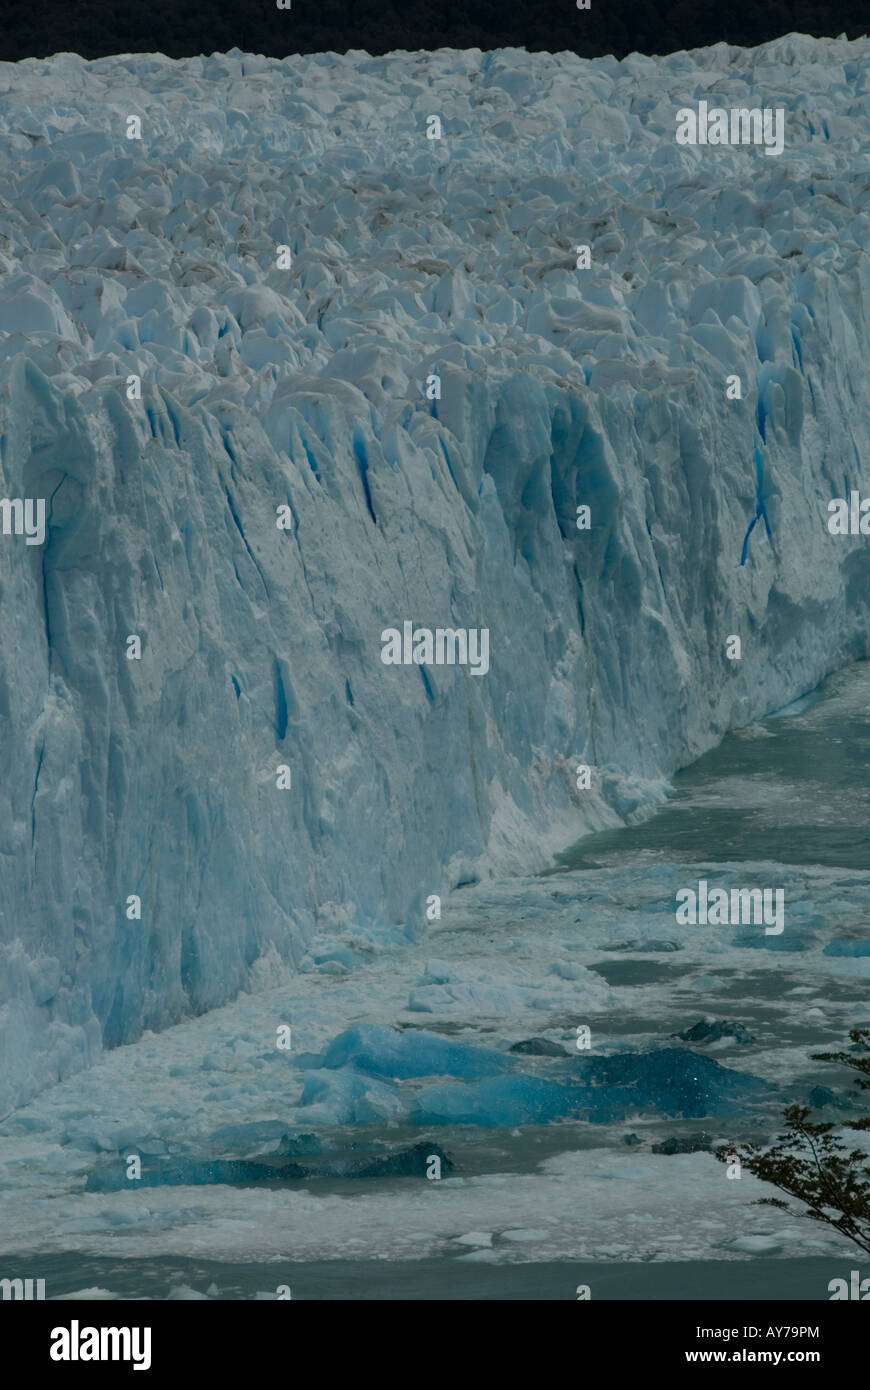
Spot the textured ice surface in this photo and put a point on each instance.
(670, 1080)
(674, 1080)
(198, 1172)
(304, 387)
(343, 1097)
(848, 947)
(215, 1088)
(387, 1052)
(507, 1100)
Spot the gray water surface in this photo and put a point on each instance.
(794, 789)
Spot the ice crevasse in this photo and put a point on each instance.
(304, 386)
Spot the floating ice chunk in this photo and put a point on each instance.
(94, 1294)
(684, 1144)
(756, 1245)
(567, 970)
(789, 942)
(508, 1100)
(820, 1096)
(254, 1132)
(674, 1080)
(344, 1097)
(480, 1238)
(414, 1162)
(539, 1047)
(412, 1052)
(713, 1030)
(191, 1172)
(466, 996)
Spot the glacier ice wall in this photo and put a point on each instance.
(305, 387)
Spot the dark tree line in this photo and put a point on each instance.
(96, 28)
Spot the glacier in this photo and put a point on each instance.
(305, 388)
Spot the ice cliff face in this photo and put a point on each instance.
(305, 387)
